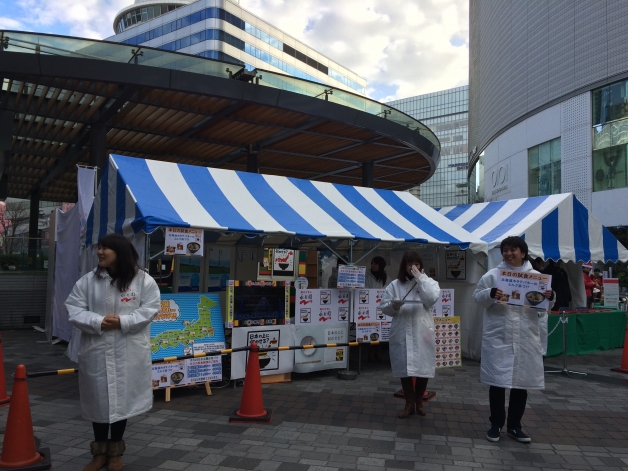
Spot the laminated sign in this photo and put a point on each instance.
(184, 241)
(523, 288)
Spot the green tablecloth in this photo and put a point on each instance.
(587, 332)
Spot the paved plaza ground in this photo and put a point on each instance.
(321, 423)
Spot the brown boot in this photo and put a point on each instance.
(421, 386)
(99, 453)
(115, 452)
(408, 393)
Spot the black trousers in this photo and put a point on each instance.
(516, 406)
(101, 431)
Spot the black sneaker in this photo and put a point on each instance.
(493, 433)
(518, 435)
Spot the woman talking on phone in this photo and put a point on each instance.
(113, 307)
(408, 300)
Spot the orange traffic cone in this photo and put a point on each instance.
(252, 404)
(18, 448)
(4, 397)
(624, 357)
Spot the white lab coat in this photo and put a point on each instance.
(371, 283)
(114, 365)
(514, 338)
(412, 346)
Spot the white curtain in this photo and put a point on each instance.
(70, 226)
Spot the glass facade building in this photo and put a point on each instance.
(221, 29)
(446, 113)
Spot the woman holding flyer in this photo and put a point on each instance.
(514, 340)
(408, 300)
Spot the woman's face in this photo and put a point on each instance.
(513, 256)
(374, 266)
(412, 264)
(106, 257)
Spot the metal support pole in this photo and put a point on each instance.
(348, 374)
(33, 230)
(367, 174)
(565, 370)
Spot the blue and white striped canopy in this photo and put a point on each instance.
(554, 227)
(141, 195)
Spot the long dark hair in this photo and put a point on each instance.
(410, 256)
(380, 274)
(126, 259)
(516, 242)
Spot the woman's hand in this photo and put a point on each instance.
(110, 323)
(397, 305)
(416, 273)
(548, 294)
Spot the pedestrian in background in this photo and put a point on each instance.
(408, 300)
(113, 307)
(560, 284)
(589, 283)
(514, 340)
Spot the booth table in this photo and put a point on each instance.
(587, 331)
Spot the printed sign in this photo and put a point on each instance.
(523, 288)
(611, 292)
(316, 306)
(455, 261)
(283, 262)
(430, 262)
(317, 359)
(269, 362)
(367, 331)
(184, 241)
(351, 276)
(444, 306)
(187, 323)
(448, 342)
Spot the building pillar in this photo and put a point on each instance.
(33, 231)
(6, 137)
(252, 160)
(98, 148)
(367, 174)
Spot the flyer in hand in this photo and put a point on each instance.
(523, 288)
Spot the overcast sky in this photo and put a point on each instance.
(402, 48)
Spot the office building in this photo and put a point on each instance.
(446, 114)
(548, 101)
(222, 30)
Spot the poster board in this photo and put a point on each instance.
(430, 262)
(455, 261)
(252, 303)
(611, 292)
(184, 241)
(444, 306)
(448, 342)
(523, 288)
(187, 323)
(351, 276)
(266, 336)
(315, 306)
(318, 359)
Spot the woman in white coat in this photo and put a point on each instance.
(113, 307)
(514, 340)
(408, 300)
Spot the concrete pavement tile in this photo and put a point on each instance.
(176, 465)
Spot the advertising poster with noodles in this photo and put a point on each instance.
(448, 342)
(321, 306)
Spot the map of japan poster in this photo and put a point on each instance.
(187, 323)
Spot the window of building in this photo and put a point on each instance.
(544, 169)
(610, 136)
